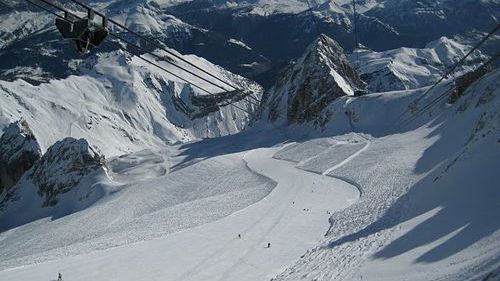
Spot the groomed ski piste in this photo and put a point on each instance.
(299, 204)
(338, 205)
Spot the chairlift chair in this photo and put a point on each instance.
(83, 32)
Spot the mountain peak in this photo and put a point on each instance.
(307, 87)
(325, 45)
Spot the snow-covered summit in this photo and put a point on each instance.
(320, 76)
(411, 68)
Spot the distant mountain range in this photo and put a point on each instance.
(252, 38)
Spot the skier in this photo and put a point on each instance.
(59, 278)
(239, 236)
(269, 245)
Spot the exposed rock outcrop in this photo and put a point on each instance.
(463, 82)
(65, 180)
(63, 167)
(320, 76)
(19, 150)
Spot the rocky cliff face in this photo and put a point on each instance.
(63, 167)
(64, 180)
(19, 150)
(320, 76)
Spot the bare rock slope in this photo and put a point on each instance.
(308, 86)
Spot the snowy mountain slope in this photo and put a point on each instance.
(434, 217)
(414, 219)
(139, 204)
(120, 103)
(198, 253)
(320, 76)
(408, 68)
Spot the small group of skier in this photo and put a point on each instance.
(239, 237)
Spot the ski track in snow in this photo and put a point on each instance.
(293, 218)
(367, 145)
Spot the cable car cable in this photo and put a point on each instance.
(124, 49)
(450, 71)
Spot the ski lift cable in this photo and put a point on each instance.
(355, 21)
(128, 51)
(156, 44)
(164, 59)
(450, 71)
(113, 35)
(316, 23)
(160, 67)
(157, 56)
(159, 46)
(356, 39)
(164, 69)
(441, 97)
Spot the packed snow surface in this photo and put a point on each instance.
(293, 218)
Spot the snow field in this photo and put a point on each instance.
(293, 217)
(427, 210)
(137, 208)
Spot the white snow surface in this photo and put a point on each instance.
(122, 104)
(420, 204)
(356, 201)
(239, 43)
(411, 68)
(428, 207)
(298, 205)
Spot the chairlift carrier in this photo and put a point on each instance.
(84, 32)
